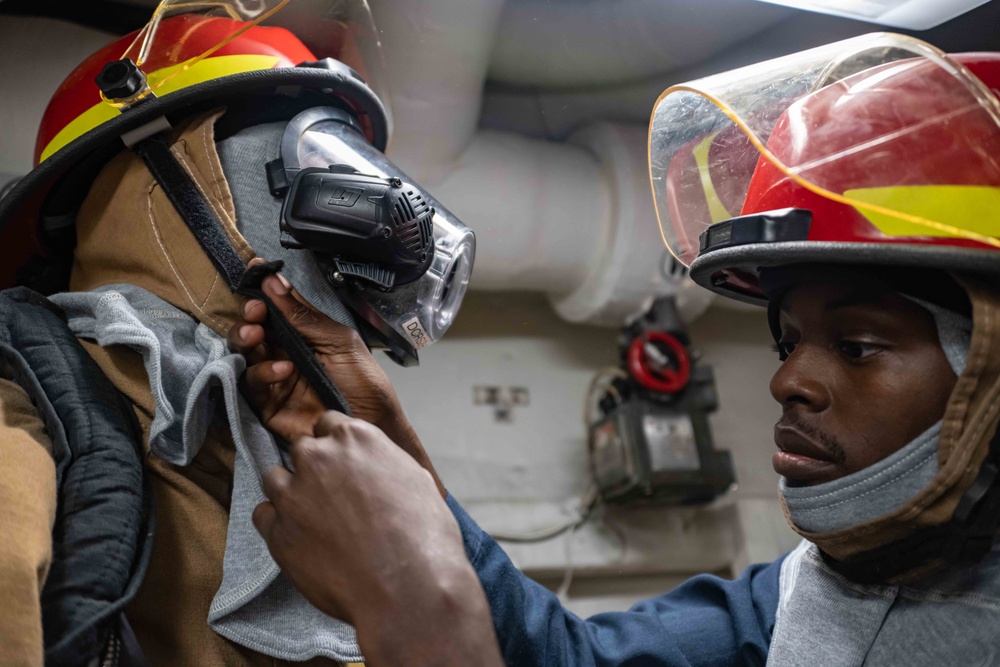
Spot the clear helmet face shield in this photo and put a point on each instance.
(340, 29)
(902, 137)
(395, 255)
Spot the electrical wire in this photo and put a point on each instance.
(563, 591)
(580, 514)
(591, 497)
(601, 382)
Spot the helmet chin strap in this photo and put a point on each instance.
(200, 218)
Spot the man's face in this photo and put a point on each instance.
(864, 375)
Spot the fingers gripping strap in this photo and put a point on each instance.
(201, 219)
(291, 340)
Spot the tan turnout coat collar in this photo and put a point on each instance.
(129, 232)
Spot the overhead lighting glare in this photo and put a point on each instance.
(909, 14)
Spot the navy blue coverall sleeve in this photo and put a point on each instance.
(706, 621)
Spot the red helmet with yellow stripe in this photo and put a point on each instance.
(249, 57)
(78, 106)
(878, 150)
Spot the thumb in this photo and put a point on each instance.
(264, 516)
(296, 309)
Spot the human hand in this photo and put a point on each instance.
(283, 398)
(360, 530)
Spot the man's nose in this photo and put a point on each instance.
(800, 380)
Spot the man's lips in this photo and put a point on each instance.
(799, 458)
(792, 440)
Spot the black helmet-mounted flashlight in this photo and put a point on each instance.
(375, 229)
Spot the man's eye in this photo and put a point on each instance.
(855, 350)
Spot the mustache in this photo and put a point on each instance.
(824, 440)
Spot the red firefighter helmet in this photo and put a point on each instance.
(878, 150)
(260, 63)
(78, 105)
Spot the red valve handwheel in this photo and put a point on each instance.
(665, 381)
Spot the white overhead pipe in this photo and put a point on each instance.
(554, 110)
(574, 220)
(437, 53)
(570, 44)
(539, 210)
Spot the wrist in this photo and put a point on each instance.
(398, 428)
(447, 622)
(394, 424)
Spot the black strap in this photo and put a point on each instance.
(190, 204)
(966, 538)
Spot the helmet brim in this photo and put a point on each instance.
(709, 269)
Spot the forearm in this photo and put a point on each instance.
(399, 430)
(705, 622)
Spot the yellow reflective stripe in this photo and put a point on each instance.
(171, 80)
(88, 120)
(969, 208)
(165, 81)
(716, 209)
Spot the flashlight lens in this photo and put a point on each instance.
(456, 281)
